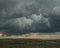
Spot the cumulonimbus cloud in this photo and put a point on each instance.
(23, 16)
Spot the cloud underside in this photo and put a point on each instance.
(25, 16)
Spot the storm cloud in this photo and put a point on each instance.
(25, 16)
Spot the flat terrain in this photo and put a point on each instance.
(29, 43)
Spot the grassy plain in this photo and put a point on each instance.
(29, 43)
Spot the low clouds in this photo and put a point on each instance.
(25, 16)
(56, 10)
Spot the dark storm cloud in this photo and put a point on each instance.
(24, 16)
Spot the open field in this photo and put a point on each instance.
(29, 43)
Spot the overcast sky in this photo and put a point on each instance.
(26, 16)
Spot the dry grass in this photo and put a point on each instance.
(29, 43)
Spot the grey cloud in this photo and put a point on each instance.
(23, 16)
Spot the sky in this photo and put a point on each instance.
(27, 16)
